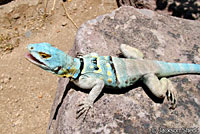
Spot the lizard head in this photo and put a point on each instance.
(48, 58)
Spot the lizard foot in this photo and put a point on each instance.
(161, 87)
(83, 108)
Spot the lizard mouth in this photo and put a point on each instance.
(34, 60)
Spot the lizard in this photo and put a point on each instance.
(95, 72)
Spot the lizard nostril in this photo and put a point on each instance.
(31, 48)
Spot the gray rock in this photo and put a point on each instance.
(159, 37)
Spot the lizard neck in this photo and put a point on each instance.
(72, 68)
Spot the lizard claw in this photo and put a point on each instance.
(171, 96)
(83, 108)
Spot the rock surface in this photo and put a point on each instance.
(159, 37)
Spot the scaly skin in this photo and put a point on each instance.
(95, 72)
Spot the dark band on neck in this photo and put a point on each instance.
(81, 67)
(113, 68)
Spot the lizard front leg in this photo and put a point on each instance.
(96, 85)
(161, 88)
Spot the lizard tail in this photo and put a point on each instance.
(170, 69)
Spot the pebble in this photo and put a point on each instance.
(17, 114)
(40, 96)
(16, 16)
(2, 75)
(28, 34)
(41, 11)
(6, 80)
(17, 100)
(64, 24)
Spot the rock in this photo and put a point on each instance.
(159, 37)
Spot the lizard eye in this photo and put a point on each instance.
(44, 55)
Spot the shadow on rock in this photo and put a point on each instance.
(3, 2)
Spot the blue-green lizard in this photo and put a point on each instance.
(96, 72)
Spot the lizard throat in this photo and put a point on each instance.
(75, 70)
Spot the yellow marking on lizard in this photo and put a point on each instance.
(108, 73)
(72, 71)
(69, 73)
(64, 70)
(106, 57)
(94, 56)
(109, 80)
(66, 75)
(107, 65)
(91, 67)
(98, 71)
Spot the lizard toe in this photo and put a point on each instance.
(171, 96)
(83, 108)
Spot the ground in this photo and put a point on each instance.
(26, 91)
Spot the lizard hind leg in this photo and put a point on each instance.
(161, 88)
(131, 52)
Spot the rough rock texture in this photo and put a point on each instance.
(149, 4)
(159, 37)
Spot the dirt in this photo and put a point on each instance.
(26, 91)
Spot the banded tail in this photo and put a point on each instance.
(170, 69)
